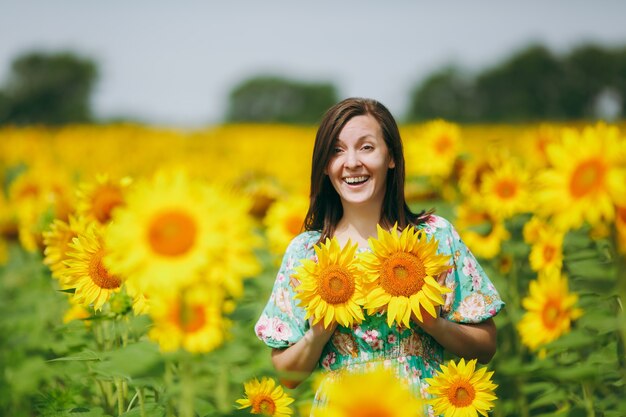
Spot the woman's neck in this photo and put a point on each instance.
(358, 224)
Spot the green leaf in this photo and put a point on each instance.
(152, 410)
(86, 355)
(140, 359)
(552, 397)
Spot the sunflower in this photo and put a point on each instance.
(265, 397)
(285, 220)
(550, 310)
(505, 191)
(586, 180)
(168, 228)
(533, 229)
(462, 391)
(482, 233)
(401, 271)
(191, 319)
(57, 240)
(93, 282)
(547, 251)
(376, 392)
(433, 149)
(620, 226)
(97, 200)
(331, 288)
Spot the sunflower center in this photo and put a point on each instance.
(621, 214)
(368, 410)
(336, 285)
(461, 394)
(99, 274)
(263, 404)
(551, 314)
(192, 318)
(506, 189)
(443, 144)
(587, 177)
(172, 233)
(402, 274)
(294, 224)
(549, 252)
(104, 201)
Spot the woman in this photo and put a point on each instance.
(357, 182)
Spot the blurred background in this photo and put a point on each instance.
(205, 63)
(512, 116)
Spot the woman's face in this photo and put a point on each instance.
(359, 163)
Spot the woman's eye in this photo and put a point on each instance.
(337, 150)
(367, 147)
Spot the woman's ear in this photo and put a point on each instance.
(392, 163)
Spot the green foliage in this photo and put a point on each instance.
(533, 84)
(269, 99)
(106, 366)
(48, 89)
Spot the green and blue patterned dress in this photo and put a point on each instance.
(411, 352)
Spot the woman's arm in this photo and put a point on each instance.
(470, 341)
(300, 359)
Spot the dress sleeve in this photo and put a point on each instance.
(474, 298)
(282, 322)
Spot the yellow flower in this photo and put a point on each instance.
(547, 251)
(191, 319)
(331, 288)
(57, 240)
(266, 397)
(433, 149)
(620, 226)
(93, 282)
(462, 391)
(97, 200)
(550, 310)
(376, 392)
(401, 274)
(586, 179)
(480, 231)
(285, 220)
(504, 191)
(165, 233)
(533, 228)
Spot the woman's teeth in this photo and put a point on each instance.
(355, 180)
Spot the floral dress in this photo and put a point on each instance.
(410, 352)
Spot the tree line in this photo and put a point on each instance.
(532, 84)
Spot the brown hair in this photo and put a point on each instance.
(325, 209)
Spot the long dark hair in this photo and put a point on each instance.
(325, 209)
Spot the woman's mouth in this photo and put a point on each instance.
(356, 180)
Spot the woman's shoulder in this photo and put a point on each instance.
(433, 223)
(304, 241)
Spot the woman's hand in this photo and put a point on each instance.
(317, 332)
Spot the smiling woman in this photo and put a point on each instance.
(403, 288)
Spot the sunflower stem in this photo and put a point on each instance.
(621, 299)
(588, 399)
(119, 390)
(168, 378)
(185, 406)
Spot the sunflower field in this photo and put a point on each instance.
(135, 261)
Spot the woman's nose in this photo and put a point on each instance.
(352, 159)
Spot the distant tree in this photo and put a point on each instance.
(589, 72)
(270, 99)
(446, 94)
(532, 84)
(49, 89)
(525, 87)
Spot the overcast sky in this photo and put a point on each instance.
(174, 62)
